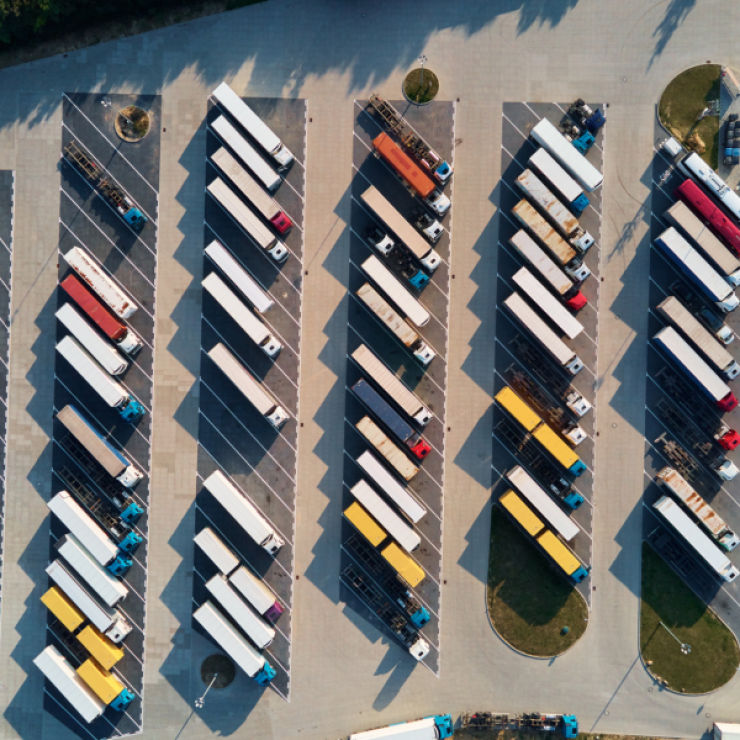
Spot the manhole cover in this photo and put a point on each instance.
(221, 665)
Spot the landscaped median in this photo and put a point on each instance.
(713, 655)
(528, 602)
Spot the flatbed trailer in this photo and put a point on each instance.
(565, 723)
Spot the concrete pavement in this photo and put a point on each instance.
(345, 676)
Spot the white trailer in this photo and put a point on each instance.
(707, 516)
(698, 270)
(679, 214)
(542, 502)
(83, 527)
(429, 728)
(385, 446)
(679, 316)
(408, 235)
(256, 592)
(243, 512)
(247, 219)
(251, 190)
(250, 387)
(547, 303)
(703, 546)
(106, 586)
(109, 357)
(248, 322)
(558, 214)
(401, 532)
(253, 125)
(726, 731)
(390, 383)
(238, 275)
(387, 483)
(560, 352)
(694, 166)
(399, 296)
(247, 153)
(220, 555)
(95, 276)
(107, 620)
(568, 188)
(256, 629)
(232, 642)
(65, 679)
(547, 136)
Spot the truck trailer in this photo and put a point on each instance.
(113, 328)
(105, 685)
(390, 451)
(390, 285)
(682, 319)
(571, 192)
(114, 462)
(257, 593)
(696, 369)
(216, 551)
(436, 727)
(563, 355)
(694, 166)
(698, 270)
(95, 276)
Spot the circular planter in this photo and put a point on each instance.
(221, 665)
(133, 124)
(420, 91)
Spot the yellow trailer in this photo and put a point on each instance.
(365, 524)
(518, 409)
(565, 559)
(102, 682)
(403, 564)
(550, 440)
(530, 522)
(62, 608)
(100, 647)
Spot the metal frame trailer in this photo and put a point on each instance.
(567, 723)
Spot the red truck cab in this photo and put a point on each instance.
(282, 223)
(577, 301)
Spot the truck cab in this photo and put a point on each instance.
(131, 411)
(573, 499)
(577, 270)
(569, 725)
(729, 540)
(576, 301)
(438, 202)
(577, 404)
(130, 477)
(133, 216)
(265, 675)
(119, 566)
(277, 417)
(428, 226)
(279, 252)
(380, 241)
(402, 263)
(583, 242)
(725, 469)
(419, 649)
(282, 223)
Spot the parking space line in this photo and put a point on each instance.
(118, 151)
(76, 721)
(7, 248)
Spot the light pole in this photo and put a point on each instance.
(202, 700)
(685, 649)
(423, 60)
(107, 103)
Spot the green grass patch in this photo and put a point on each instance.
(714, 655)
(419, 90)
(529, 603)
(684, 99)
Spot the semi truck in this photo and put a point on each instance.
(564, 254)
(106, 619)
(697, 370)
(241, 279)
(555, 277)
(563, 556)
(391, 419)
(93, 275)
(108, 357)
(694, 166)
(110, 590)
(389, 580)
(246, 153)
(113, 328)
(247, 220)
(695, 538)
(407, 401)
(435, 727)
(105, 685)
(92, 537)
(390, 451)
(250, 387)
(411, 174)
(63, 677)
(401, 260)
(233, 644)
(255, 628)
(698, 270)
(404, 231)
(547, 136)
(244, 512)
(257, 593)
(384, 514)
(253, 125)
(679, 316)
(216, 551)
(246, 320)
(547, 303)
(105, 185)
(410, 140)
(399, 296)
(726, 263)
(399, 327)
(571, 192)
(563, 355)
(390, 486)
(717, 527)
(252, 190)
(542, 502)
(566, 724)
(115, 464)
(564, 221)
(388, 613)
(110, 390)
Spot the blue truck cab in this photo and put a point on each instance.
(573, 499)
(584, 142)
(578, 467)
(579, 575)
(119, 566)
(135, 218)
(443, 723)
(131, 513)
(131, 411)
(122, 700)
(265, 675)
(421, 617)
(569, 725)
(579, 205)
(130, 542)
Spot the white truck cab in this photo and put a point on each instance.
(438, 202)
(577, 270)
